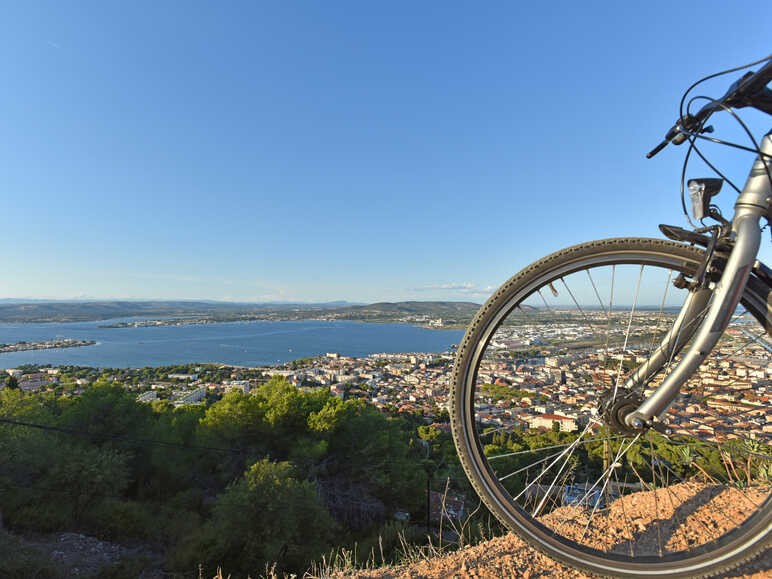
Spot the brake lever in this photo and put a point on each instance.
(672, 135)
(675, 135)
(656, 149)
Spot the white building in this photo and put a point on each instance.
(150, 396)
(190, 377)
(546, 420)
(192, 397)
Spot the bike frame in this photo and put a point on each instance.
(753, 203)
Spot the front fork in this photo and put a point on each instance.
(752, 204)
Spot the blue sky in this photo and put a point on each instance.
(315, 151)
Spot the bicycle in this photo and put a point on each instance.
(623, 430)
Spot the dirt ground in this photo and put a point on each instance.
(687, 515)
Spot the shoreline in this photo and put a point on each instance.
(241, 344)
(188, 322)
(25, 346)
(258, 367)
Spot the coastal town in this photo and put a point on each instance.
(23, 346)
(531, 386)
(421, 320)
(526, 380)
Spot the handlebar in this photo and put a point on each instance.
(750, 90)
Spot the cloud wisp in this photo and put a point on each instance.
(460, 288)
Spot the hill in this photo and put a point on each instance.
(453, 314)
(67, 311)
(425, 308)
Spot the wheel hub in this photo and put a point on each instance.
(613, 410)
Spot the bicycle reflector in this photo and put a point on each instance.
(702, 191)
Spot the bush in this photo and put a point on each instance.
(268, 516)
(117, 520)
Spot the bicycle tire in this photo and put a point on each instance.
(733, 548)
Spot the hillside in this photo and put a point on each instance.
(452, 314)
(426, 308)
(26, 312)
(66, 311)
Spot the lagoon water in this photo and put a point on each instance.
(237, 343)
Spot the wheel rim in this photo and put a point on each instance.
(590, 495)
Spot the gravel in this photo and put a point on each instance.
(83, 556)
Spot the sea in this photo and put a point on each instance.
(257, 343)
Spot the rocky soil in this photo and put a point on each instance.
(78, 555)
(680, 517)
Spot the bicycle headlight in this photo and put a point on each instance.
(701, 192)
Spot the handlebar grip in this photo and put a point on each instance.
(656, 149)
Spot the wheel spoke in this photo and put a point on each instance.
(625, 517)
(656, 498)
(753, 339)
(537, 511)
(627, 333)
(605, 476)
(589, 323)
(567, 450)
(546, 305)
(657, 323)
(528, 467)
(597, 295)
(532, 450)
(610, 305)
(562, 341)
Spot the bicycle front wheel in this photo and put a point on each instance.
(534, 374)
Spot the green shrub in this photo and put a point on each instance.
(117, 520)
(267, 516)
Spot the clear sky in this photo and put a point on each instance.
(314, 151)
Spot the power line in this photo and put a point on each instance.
(139, 441)
(37, 489)
(6, 486)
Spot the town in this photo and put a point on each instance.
(45, 345)
(527, 379)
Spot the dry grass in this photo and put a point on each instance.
(501, 556)
(343, 562)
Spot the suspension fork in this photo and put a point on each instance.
(752, 204)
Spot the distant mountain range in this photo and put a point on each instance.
(28, 311)
(216, 302)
